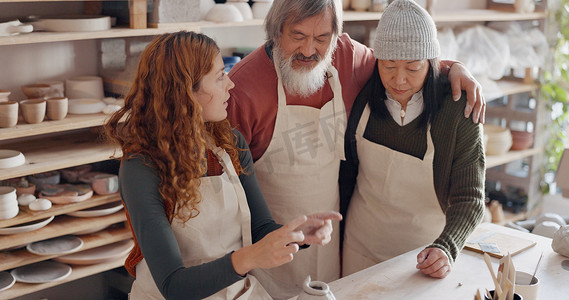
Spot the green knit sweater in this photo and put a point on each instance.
(458, 166)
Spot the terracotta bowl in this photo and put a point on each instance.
(36, 90)
(521, 140)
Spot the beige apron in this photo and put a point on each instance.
(394, 208)
(298, 175)
(223, 225)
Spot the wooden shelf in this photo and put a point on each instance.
(21, 257)
(510, 87)
(78, 272)
(466, 15)
(61, 225)
(26, 215)
(484, 15)
(70, 122)
(49, 153)
(496, 160)
(459, 15)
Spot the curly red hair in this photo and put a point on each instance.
(163, 121)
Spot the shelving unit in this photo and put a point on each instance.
(75, 140)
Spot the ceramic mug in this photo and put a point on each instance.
(526, 285)
(8, 114)
(104, 184)
(33, 110)
(56, 108)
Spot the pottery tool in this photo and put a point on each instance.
(497, 290)
(535, 271)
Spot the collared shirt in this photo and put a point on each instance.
(413, 110)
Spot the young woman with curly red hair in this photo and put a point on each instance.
(187, 181)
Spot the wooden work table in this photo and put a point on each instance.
(397, 278)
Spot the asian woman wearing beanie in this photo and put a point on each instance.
(414, 169)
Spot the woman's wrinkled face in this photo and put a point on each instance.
(403, 78)
(213, 92)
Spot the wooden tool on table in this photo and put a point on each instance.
(505, 278)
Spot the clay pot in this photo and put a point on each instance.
(315, 290)
(521, 139)
(104, 184)
(8, 114)
(33, 110)
(36, 90)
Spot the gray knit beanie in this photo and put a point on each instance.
(406, 31)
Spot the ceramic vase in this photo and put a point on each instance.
(315, 290)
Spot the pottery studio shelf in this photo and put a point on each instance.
(497, 160)
(21, 257)
(466, 15)
(78, 272)
(61, 225)
(70, 122)
(27, 215)
(458, 15)
(47, 153)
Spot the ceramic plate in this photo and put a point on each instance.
(30, 226)
(99, 254)
(59, 245)
(91, 230)
(97, 211)
(41, 272)
(6, 280)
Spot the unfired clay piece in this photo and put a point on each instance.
(40, 204)
(560, 242)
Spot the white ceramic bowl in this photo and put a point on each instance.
(11, 158)
(85, 106)
(244, 9)
(72, 23)
(224, 13)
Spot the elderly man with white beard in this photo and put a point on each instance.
(291, 100)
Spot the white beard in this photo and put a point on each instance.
(303, 82)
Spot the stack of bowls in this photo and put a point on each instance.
(521, 140)
(499, 139)
(8, 202)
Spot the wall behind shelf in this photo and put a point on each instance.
(25, 64)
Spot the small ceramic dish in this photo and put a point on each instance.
(26, 227)
(66, 193)
(11, 159)
(41, 272)
(56, 246)
(98, 255)
(97, 211)
(85, 106)
(6, 281)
